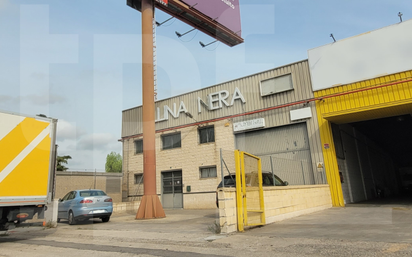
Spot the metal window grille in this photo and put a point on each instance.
(207, 135)
(167, 183)
(172, 182)
(138, 178)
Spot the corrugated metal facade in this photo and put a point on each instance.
(279, 140)
(368, 104)
(250, 89)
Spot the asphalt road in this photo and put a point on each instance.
(351, 231)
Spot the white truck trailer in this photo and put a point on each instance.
(27, 166)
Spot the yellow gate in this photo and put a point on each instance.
(249, 190)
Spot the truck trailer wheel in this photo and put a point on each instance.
(72, 220)
(3, 225)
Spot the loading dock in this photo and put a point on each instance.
(357, 82)
(371, 156)
(366, 136)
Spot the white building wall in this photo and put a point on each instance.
(369, 55)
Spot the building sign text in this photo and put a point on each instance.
(249, 124)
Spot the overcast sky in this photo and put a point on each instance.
(79, 60)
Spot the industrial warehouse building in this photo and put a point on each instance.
(342, 117)
(265, 114)
(364, 84)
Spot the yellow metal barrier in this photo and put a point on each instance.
(249, 190)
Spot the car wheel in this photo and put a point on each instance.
(72, 220)
(105, 219)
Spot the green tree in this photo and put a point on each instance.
(114, 163)
(60, 160)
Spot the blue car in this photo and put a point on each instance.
(80, 205)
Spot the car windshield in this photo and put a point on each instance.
(267, 180)
(92, 193)
(230, 181)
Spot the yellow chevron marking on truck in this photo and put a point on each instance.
(18, 139)
(8, 123)
(30, 176)
(23, 154)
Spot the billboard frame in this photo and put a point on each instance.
(196, 19)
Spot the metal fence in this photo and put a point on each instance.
(295, 172)
(85, 170)
(135, 186)
(227, 163)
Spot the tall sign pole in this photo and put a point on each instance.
(150, 206)
(218, 19)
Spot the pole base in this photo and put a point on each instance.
(150, 208)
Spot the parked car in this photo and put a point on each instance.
(80, 205)
(267, 180)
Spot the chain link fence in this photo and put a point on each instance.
(295, 172)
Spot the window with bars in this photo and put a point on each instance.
(208, 172)
(138, 146)
(138, 178)
(207, 134)
(171, 141)
(172, 182)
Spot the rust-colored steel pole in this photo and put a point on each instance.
(150, 206)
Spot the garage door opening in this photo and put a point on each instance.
(375, 160)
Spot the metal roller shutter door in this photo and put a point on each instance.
(287, 145)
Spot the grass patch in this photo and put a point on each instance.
(215, 228)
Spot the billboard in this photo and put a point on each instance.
(366, 56)
(162, 1)
(219, 19)
(226, 12)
